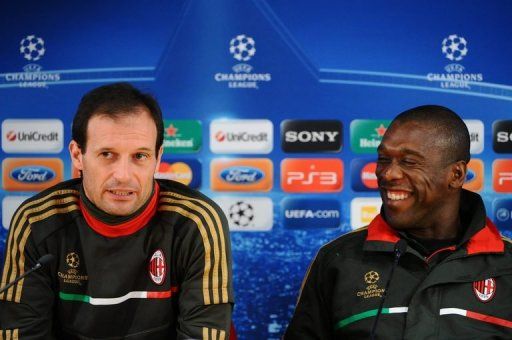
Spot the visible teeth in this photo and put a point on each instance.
(397, 197)
(121, 193)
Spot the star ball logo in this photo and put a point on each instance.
(32, 48)
(246, 213)
(242, 48)
(455, 47)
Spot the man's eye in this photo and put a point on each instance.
(383, 160)
(141, 156)
(106, 154)
(409, 162)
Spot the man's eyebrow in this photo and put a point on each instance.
(403, 150)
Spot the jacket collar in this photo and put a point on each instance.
(480, 234)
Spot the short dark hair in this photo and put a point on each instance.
(114, 100)
(453, 132)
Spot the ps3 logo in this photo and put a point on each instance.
(38, 174)
(242, 175)
(308, 178)
(311, 175)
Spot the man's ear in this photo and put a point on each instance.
(159, 157)
(458, 174)
(76, 155)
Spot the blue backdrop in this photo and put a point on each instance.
(275, 60)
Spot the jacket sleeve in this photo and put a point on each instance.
(25, 308)
(206, 289)
(311, 319)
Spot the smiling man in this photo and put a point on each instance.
(430, 266)
(135, 257)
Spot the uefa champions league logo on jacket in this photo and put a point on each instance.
(242, 48)
(455, 48)
(32, 48)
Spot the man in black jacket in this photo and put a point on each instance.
(134, 257)
(453, 274)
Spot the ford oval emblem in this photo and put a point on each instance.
(32, 174)
(470, 175)
(241, 175)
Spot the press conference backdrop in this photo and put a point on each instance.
(273, 108)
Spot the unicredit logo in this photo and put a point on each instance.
(38, 174)
(11, 136)
(311, 135)
(32, 136)
(243, 136)
(242, 175)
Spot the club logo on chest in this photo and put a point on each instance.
(485, 289)
(157, 267)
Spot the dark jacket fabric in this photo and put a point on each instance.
(458, 292)
(163, 274)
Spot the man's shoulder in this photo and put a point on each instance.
(348, 244)
(175, 196)
(52, 204)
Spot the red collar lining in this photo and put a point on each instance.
(487, 240)
(126, 228)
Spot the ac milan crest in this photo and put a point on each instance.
(485, 289)
(157, 269)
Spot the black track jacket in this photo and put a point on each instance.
(163, 274)
(459, 292)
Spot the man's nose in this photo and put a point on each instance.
(122, 170)
(392, 171)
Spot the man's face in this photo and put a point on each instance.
(413, 177)
(119, 162)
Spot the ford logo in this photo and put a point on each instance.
(242, 175)
(32, 174)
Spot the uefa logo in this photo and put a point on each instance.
(242, 47)
(454, 47)
(32, 48)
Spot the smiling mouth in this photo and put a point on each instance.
(393, 195)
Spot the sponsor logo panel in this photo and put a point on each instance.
(307, 213)
(250, 136)
(502, 136)
(182, 136)
(241, 174)
(366, 134)
(502, 212)
(32, 135)
(363, 210)
(247, 213)
(31, 174)
(308, 175)
(363, 174)
(9, 206)
(476, 134)
(502, 175)
(185, 171)
(311, 135)
(475, 175)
